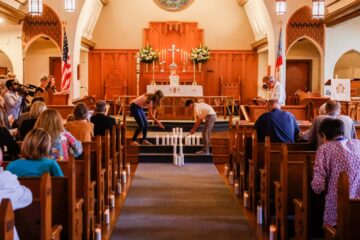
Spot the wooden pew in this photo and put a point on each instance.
(289, 186)
(309, 207)
(85, 188)
(348, 210)
(35, 221)
(272, 170)
(6, 220)
(108, 164)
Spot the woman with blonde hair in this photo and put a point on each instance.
(36, 109)
(35, 161)
(63, 142)
(150, 101)
(80, 127)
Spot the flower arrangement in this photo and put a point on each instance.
(200, 54)
(148, 55)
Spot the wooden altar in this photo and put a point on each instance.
(162, 78)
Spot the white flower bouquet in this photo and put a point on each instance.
(200, 54)
(148, 55)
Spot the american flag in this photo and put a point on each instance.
(279, 58)
(66, 66)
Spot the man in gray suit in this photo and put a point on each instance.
(333, 110)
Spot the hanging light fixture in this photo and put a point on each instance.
(35, 7)
(318, 9)
(70, 5)
(280, 7)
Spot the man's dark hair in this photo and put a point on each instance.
(9, 83)
(188, 102)
(331, 128)
(100, 106)
(37, 99)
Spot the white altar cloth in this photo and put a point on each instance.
(177, 91)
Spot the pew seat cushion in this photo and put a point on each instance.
(35, 168)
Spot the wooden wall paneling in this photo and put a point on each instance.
(95, 73)
(249, 84)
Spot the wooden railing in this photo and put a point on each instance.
(174, 107)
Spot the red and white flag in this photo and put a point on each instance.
(66, 66)
(279, 57)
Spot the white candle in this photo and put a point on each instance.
(112, 201)
(179, 160)
(175, 159)
(174, 131)
(197, 140)
(231, 178)
(157, 139)
(259, 214)
(118, 187)
(163, 140)
(124, 176)
(193, 142)
(246, 199)
(128, 168)
(174, 149)
(97, 233)
(107, 216)
(272, 232)
(181, 139)
(181, 131)
(171, 139)
(181, 149)
(167, 140)
(226, 170)
(182, 159)
(236, 188)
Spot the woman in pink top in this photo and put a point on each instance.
(150, 101)
(336, 155)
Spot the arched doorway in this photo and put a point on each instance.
(5, 64)
(348, 66)
(303, 68)
(42, 57)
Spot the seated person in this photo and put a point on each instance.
(7, 140)
(26, 115)
(20, 196)
(80, 127)
(336, 155)
(36, 109)
(333, 110)
(279, 125)
(35, 161)
(100, 120)
(63, 142)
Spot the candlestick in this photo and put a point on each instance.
(272, 232)
(194, 82)
(163, 140)
(97, 233)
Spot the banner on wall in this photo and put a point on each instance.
(341, 89)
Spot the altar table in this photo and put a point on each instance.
(177, 91)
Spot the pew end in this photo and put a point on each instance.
(6, 220)
(330, 232)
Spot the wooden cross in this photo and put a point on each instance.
(173, 50)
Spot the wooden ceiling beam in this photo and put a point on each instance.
(11, 14)
(105, 2)
(343, 14)
(87, 43)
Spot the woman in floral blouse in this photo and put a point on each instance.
(336, 155)
(63, 142)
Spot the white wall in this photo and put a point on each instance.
(5, 61)
(36, 60)
(348, 66)
(10, 44)
(339, 40)
(263, 63)
(305, 50)
(84, 72)
(225, 23)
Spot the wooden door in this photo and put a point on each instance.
(55, 70)
(298, 77)
(3, 70)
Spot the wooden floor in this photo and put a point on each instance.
(120, 200)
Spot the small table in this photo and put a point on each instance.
(177, 91)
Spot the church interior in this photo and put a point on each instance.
(183, 119)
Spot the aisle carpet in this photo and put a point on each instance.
(189, 202)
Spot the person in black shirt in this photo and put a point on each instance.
(100, 120)
(28, 124)
(6, 140)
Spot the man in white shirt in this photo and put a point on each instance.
(203, 111)
(12, 100)
(276, 89)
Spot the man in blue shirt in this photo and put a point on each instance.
(279, 125)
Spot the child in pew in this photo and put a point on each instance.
(20, 196)
(35, 150)
(63, 142)
(337, 154)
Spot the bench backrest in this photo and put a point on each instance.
(6, 220)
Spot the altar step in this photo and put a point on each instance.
(164, 154)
